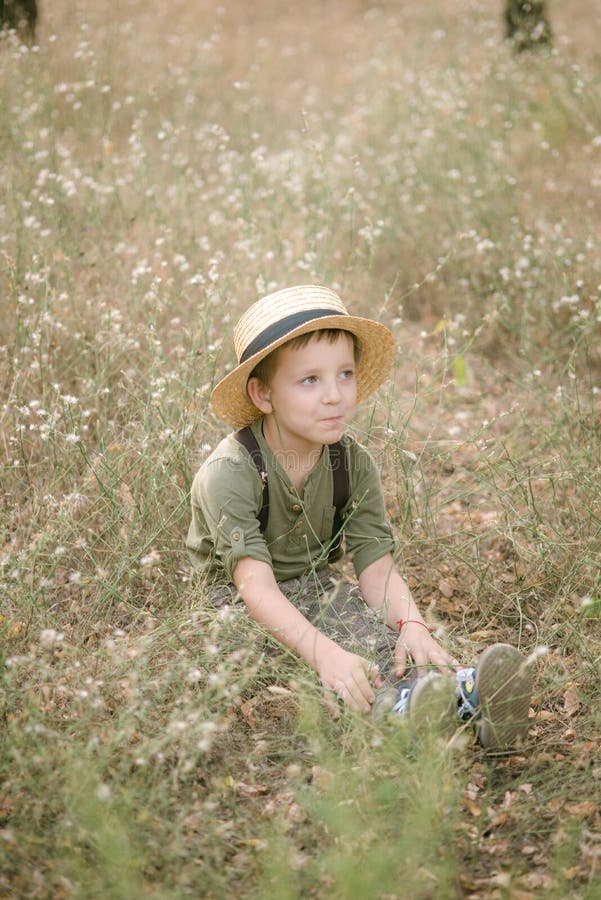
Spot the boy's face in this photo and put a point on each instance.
(312, 393)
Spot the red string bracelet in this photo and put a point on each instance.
(402, 622)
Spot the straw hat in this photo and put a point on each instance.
(286, 314)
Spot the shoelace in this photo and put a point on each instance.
(402, 701)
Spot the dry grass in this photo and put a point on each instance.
(162, 166)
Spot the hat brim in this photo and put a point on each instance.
(231, 402)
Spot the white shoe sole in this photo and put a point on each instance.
(504, 685)
(433, 703)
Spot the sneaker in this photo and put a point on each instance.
(430, 700)
(433, 702)
(468, 702)
(386, 699)
(500, 697)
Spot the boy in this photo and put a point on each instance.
(270, 503)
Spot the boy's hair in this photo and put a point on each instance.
(265, 369)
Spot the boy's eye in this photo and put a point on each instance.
(347, 374)
(309, 379)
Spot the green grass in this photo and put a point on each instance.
(161, 169)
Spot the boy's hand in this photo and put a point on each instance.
(350, 676)
(416, 642)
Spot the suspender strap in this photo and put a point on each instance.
(250, 443)
(338, 464)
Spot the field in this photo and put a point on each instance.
(163, 165)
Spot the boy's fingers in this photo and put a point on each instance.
(356, 685)
(353, 695)
(400, 659)
(373, 674)
(331, 702)
(442, 660)
(433, 655)
(447, 663)
(360, 687)
(364, 693)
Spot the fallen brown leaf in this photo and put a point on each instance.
(473, 807)
(446, 588)
(584, 808)
(482, 635)
(571, 701)
(535, 880)
(250, 790)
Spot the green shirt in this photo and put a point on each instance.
(226, 498)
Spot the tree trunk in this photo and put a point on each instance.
(527, 24)
(20, 15)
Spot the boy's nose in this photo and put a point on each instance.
(332, 391)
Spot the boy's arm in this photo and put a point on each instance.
(384, 589)
(346, 673)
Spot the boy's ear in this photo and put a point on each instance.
(260, 394)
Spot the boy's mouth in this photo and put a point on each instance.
(332, 420)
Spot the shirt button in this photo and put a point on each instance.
(292, 489)
(235, 535)
(296, 507)
(298, 526)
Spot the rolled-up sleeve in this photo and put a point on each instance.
(225, 498)
(368, 535)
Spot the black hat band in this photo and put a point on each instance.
(284, 326)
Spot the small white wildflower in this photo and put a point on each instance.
(103, 791)
(194, 676)
(570, 300)
(50, 636)
(178, 726)
(151, 559)
(13, 661)
(537, 653)
(209, 727)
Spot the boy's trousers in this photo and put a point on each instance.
(336, 607)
